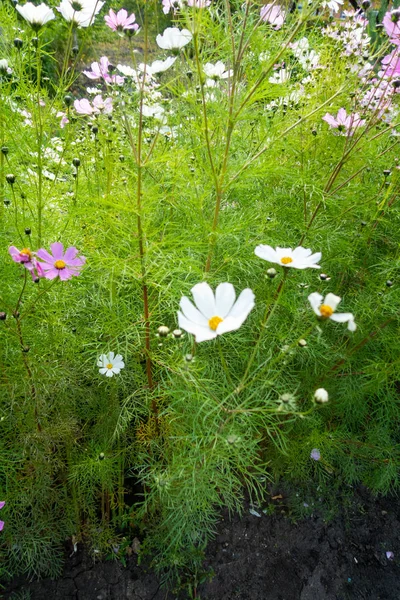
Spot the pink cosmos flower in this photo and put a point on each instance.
(171, 5)
(121, 21)
(27, 258)
(2, 503)
(273, 14)
(84, 107)
(64, 119)
(344, 123)
(392, 26)
(61, 264)
(391, 63)
(100, 71)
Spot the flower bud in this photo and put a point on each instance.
(4, 150)
(76, 162)
(302, 343)
(3, 316)
(10, 178)
(271, 273)
(321, 396)
(68, 99)
(101, 456)
(389, 283)
(163, 331)
(18, 43)
(28, 231)
(177, 333)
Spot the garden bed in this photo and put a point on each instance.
(261, 558)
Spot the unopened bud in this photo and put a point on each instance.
(321, 396)
(163, 331)
(271, 273)
(177, 333)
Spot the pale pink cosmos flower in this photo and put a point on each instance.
(100, 71)
(26, 257)
(391, 24)
(273, 14)
(84, 107)
(120, 21)
(344, 123)
(64, 119)
(391, 63)
(60, 264)
(173, 5)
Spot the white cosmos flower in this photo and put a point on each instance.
(80, 12)
(216, 314)
(299, 258)
(36, 15)
(158, 66)
(326, 309)
(280, 77)
(110, 364)
(217, 71)
(173, 38)
(333, 5)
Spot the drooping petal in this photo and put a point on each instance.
(224, 299)
(342, 317)
(204, 299)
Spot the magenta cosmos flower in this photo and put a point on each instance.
(121, 21)
(344, 123)
(26, 257)
(62, 264)
(2, 503)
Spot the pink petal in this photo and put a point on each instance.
(70, 254)
(57, 249)
(44, 255)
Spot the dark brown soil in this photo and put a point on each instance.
(261, 558)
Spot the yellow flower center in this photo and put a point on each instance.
(326, 311)
(26, 252)
(286, 260)
(214, 322)
(60, 264)
(109, 366)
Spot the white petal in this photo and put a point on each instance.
(267, 253)
(284, 252)
(111, 357)
(191, 312)
(201, 334)
(204, 299)
(103, 370)
(118, 358)
(109, 373)
(243, 305)
(102, 361)
(301, 253)
(115, 369)
(315, 299)
(224, 299)
(342, 317)
(351, 325)
(332, 301)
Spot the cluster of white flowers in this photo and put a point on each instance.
(79, 12)
(350, 34)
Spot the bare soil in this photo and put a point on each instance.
(265, 557)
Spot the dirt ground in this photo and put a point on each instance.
(266, 557)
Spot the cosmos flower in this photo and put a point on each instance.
(333, 5)
(173, 38)
(27, 258)
(280, 77)
(216, 314)
(315, 454)
(273, 14)
(120, 21)
(60, 264)
(36, 16)
(173, 5)
(392, 26)
(325, 309)
(110, 364)
(158, 66)
(80, 12)
(100, 71)
(2, 503)
(299, 258)
(217, 71)
(344, 123)
(84, 107)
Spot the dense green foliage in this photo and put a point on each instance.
(216, 418)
